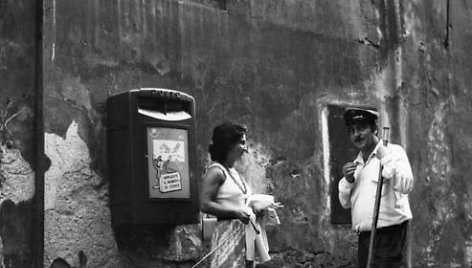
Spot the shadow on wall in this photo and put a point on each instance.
(61, 263)
(15, 232)
(136, 242)
(147, 239)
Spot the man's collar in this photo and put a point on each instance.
(374, 152)
(360, 159)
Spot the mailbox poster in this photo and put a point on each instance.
(168, 163)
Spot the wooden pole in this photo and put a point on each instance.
(378, 196)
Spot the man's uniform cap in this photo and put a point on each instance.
(353, 115)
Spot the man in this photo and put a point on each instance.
(357, 190)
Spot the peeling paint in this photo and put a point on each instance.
(76, 207)
(77, 216)
(18, 53)
(439, 152)
(65, 152)
(18, 177)
(73, 90)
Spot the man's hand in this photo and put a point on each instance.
(348, 171)
(381, 151)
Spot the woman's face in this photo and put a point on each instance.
(238, 149)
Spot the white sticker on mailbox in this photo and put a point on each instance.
(170, 182)
(168, 164)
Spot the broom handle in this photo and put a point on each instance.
(378, 195)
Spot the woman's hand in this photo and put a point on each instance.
(242, 214)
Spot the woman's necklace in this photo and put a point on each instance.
(241, 185)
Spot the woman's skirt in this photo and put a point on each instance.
(228, 243)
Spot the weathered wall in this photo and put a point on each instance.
(17, 113)
(436, 90)
(269, 64)
(272, 65)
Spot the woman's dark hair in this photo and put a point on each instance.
(225, 136)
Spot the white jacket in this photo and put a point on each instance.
(360, 195)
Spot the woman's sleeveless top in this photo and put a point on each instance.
(228, 238)
(231, 192)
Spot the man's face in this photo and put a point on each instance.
(361, 135)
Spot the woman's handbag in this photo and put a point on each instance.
(208, 226)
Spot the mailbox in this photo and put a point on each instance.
(152, 157)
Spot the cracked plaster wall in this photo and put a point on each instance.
(437, 95)
(268, 64)
(17, 115)
(77, 218)
(16, 214)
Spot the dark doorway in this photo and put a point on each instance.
(340, 151)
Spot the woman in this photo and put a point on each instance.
(224, 194)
